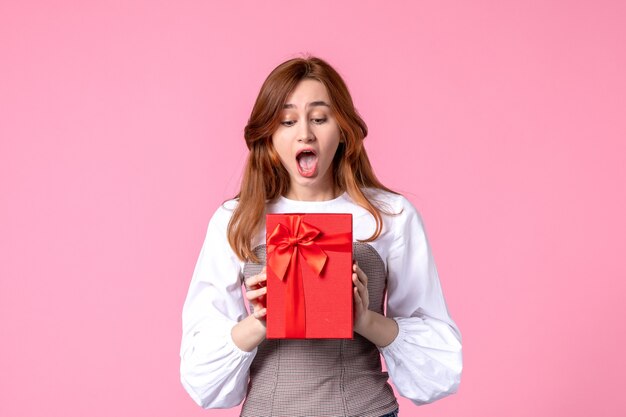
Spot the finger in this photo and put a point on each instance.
(261, 298)
(357, 283)
(255, 294)
(358, 301)
(257, 279)
(360, 273)
(362, 292)
(256, 305)
(261, 313)
(249, 282)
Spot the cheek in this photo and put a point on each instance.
(331, 146)
(280, 154)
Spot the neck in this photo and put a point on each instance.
(312, 194)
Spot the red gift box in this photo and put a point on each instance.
(309, 276)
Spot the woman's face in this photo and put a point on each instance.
(306, 141)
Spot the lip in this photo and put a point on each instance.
(305, 149)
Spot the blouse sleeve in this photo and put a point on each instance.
(213, 370)
(424, 360)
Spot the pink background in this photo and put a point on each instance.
(121, 131)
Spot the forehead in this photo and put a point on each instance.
(307, 92)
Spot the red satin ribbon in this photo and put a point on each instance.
(287, 246)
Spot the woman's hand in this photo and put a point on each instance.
(250, 332)
(373, 326)
(255, 293)
(361, 298)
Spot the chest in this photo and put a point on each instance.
(368, 259)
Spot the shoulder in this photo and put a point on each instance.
(401, 217)
(223, 213)
(395, 205)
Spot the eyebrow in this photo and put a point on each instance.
(312, 104)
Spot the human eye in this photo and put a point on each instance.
(288, 123)
(319, 120)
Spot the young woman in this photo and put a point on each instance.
(307, 156)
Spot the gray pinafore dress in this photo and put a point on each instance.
(322, 377)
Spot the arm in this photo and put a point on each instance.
(213, 369)
(425, 358)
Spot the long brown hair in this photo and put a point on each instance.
(265, 178)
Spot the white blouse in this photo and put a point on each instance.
(424, 361)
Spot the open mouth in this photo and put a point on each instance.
(307, 162)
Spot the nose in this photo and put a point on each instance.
(305, 134)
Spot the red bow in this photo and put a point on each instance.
(286, 246)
